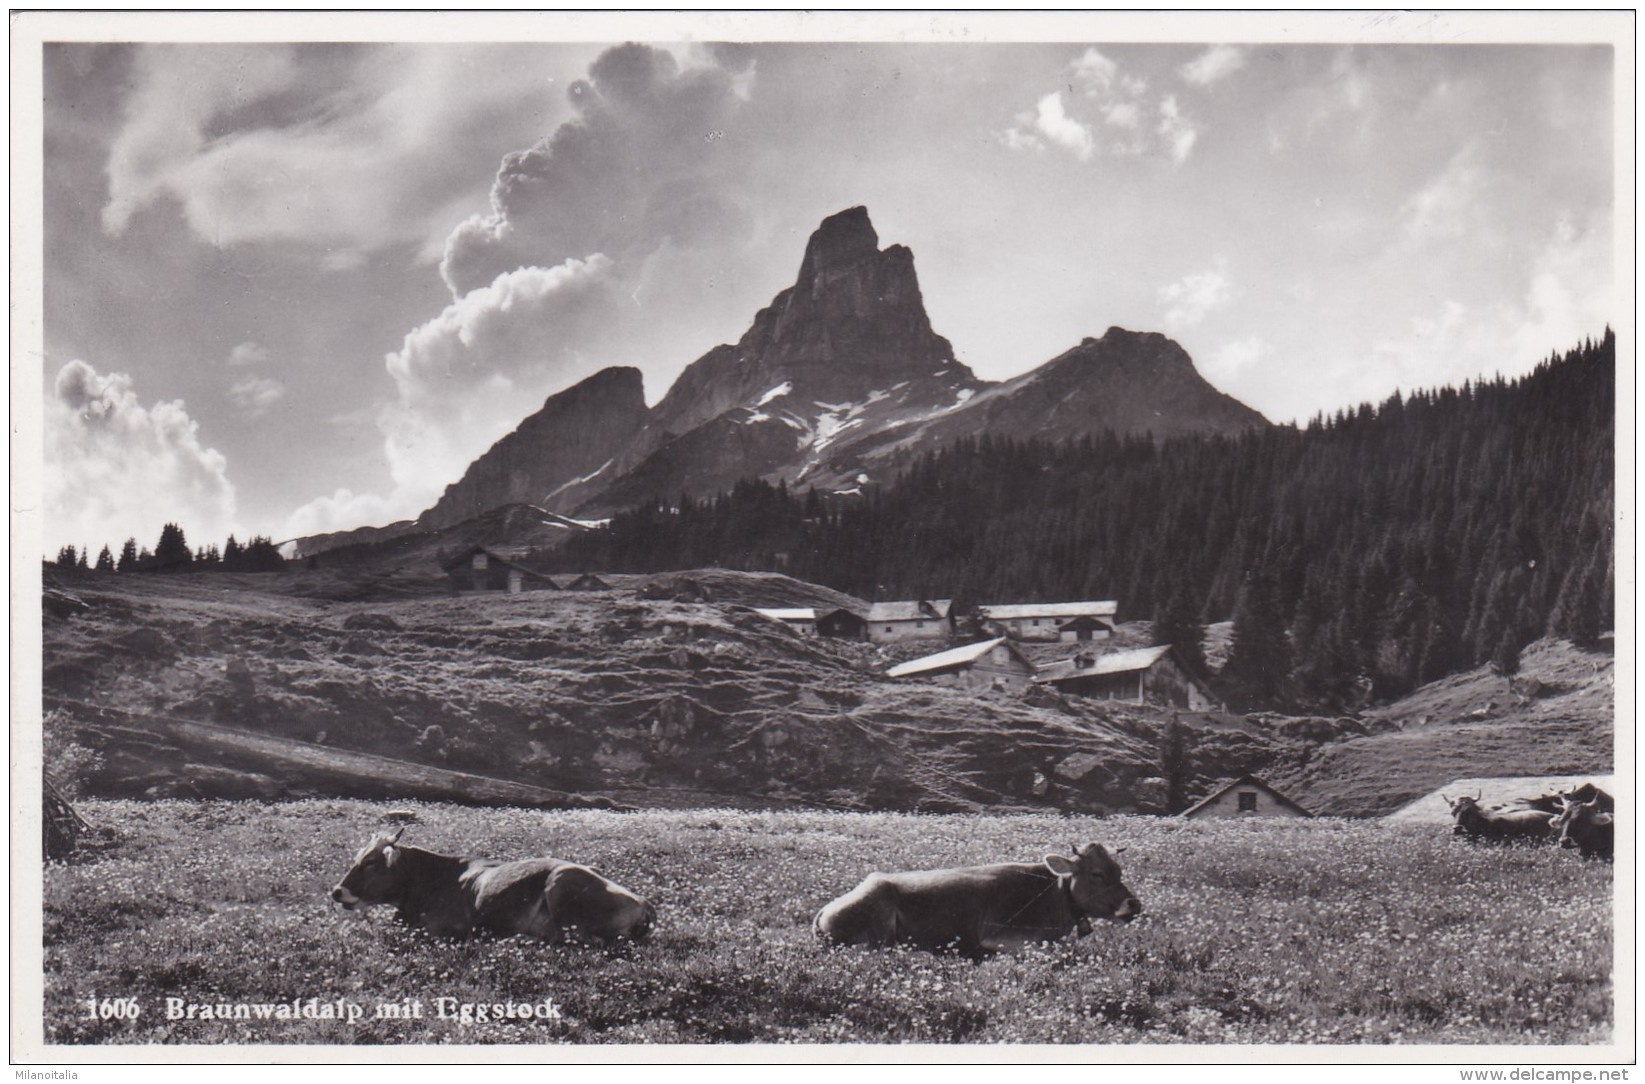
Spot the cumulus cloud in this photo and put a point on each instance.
(1450, 204)
(468, 376)
(1054, 123)
(1191, 299)
(594, 253)
(349, 147)
(1217, 62)
(635, 168)
(116, 468)
(1107, 111)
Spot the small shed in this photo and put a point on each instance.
(588, 582)
(843, 624)
(1044, 621)
(481, 569)
(992, 664)
(1246, 796)
(1148, 675)
(921, 619)
(802, 619)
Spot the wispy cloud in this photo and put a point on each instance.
(1193, 297)
(256, 394)
(1217, 62)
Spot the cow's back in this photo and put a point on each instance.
(972, 908)
(547, 898)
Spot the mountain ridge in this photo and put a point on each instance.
(835, 378)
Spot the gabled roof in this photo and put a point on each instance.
(797, 613)
(587, 582)
(1244, 781)
(507, 562)
(1118, 662)
(943, 660)
(1059, 610)
(918, 610)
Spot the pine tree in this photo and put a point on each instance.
(105, 560)
(128, 557)
(67, 558)
(171, 553)
(1178, 623)
(1259, 660)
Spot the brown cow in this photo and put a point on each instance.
(1514, 823)
(457, 897)
(1587, 827)
(980, 909)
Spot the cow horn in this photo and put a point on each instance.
(398, 833)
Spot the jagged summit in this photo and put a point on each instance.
(842, 239)
(832, 384)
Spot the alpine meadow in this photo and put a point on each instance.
(820, 537)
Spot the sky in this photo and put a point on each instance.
(291, 288)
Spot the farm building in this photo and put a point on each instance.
(925, 619)
(843, 625)
(802, 619)
(1246, 796)
(480, 569)
(1149, 675)
(1432, 808)
(588, 582)
(992, 664)
(1070, 622)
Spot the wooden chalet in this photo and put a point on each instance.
(843, 624)
(922, 619)
(1070, 622)
(1149, 675)
(479, 569)
(992, 664)
(1246, 796)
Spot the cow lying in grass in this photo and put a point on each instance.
(980, 909)
(458, 897)
(1588, 826)
(1517, 822)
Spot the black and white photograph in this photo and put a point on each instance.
(824, 537)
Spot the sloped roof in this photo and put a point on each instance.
(1244, 781)
(942, 660)
(1432, 808)
(917, 610)
(452, 562)
(1061, 611)
(796, 613)
(1118, 662)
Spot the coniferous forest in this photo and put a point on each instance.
(1368, 553)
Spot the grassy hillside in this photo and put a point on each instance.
(1555, 720)
(1278, 932)
(669, 691)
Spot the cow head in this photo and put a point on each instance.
(1092, 878)
(1466, 813)
(372, 879)
(1581, 824)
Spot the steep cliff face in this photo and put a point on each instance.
(836, 376)
(575, 434)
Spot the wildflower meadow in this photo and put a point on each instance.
(210, 922)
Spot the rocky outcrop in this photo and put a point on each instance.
(833, 380)
(575, 434)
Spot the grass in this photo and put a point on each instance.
(1274, 932)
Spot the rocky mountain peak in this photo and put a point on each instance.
(841, 240)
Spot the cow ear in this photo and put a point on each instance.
(1602, 818)
(1059, 865)
(389, 854)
